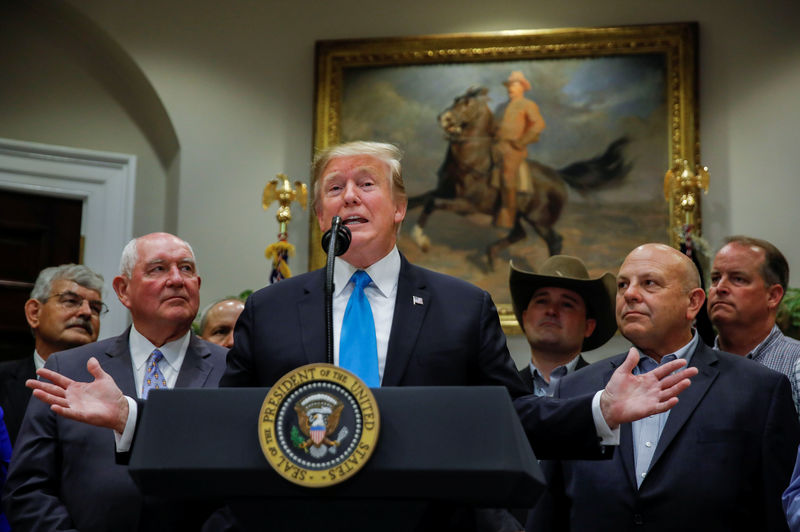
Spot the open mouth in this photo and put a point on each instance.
(355, 220)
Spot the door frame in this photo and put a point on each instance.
(104, 181)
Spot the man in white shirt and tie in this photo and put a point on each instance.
(63, 473)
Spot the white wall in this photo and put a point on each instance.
(237, 81)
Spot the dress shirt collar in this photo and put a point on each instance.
(569, 366)
(384, 273)
(38, 361)
(173, 351)
(759, 350)
(684, 352)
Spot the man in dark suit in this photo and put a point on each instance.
(63, 473)
(561, 312)
(63, 312)
(719, 460)
(427, 328)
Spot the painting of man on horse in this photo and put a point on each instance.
(590, 186)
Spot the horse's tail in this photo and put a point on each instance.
(605, 169)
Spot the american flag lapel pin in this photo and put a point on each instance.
(417, 300)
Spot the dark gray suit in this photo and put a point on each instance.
(723, 459)
(14, 394)
(63, 473)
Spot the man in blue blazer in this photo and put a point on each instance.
(63, 473)
(719, 460)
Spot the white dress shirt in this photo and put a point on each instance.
(381, 294)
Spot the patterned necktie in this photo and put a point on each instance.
(358, 347)
(153, 376)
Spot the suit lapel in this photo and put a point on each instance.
(625, 437)
(704, 359)
(195, 368)
(117, 363)
(311, 318)
(410, 308)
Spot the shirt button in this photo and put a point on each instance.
(644, 475)
(648, 444)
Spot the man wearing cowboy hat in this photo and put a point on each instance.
(521, 125)
(562, 311)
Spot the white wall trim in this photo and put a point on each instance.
(103, 181)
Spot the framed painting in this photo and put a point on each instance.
(616, 108)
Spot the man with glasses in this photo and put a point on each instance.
(63, 474)
(63, 312)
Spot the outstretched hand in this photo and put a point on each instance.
(99, 402)
(628, 397)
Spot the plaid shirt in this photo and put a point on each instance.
(781, 353)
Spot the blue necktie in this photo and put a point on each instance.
(153, 376)
(358, 347)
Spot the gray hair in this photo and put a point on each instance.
(130, 254)
(77, 273)
(383, 151)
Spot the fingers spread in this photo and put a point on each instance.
(54, 377)
(630, 361)
(50, 398)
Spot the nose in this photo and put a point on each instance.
(551, 309)
(631, 293)
(174, 277)
(228, 342)
(721, 286)
(85, 309)
(350, 195)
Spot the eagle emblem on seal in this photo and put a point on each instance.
(318, 417)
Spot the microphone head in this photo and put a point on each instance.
(343, 237)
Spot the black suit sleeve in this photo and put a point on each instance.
(561, 428)
(31, 496)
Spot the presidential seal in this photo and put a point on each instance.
(318, 425)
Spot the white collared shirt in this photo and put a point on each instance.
(174, 352)
(38, 361)
(381, 294)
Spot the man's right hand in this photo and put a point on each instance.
(99, 402)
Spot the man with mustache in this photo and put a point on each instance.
(63, 473)
(561, 312)
(748, 279)
(63, 312)
(718, 461)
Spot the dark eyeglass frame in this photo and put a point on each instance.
(72, 301)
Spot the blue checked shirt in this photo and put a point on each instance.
(781, 353)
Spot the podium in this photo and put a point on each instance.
(441, 451)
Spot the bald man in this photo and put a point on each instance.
(718, 461)
(219, 319)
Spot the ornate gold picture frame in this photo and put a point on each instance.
(619, 106)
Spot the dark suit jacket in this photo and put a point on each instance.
(63, 473)
(725, 455)
(527, 377)
(14, 394)
(453, 338)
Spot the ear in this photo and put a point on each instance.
(121, 284)
(696, 299)
(774, 296)
(32, 308)
(323, 225)
(400, 208)
(591, 325)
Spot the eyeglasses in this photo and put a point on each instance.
(72, 301)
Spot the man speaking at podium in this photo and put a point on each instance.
(409, 326)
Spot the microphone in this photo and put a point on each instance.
(342, 240)
(335, 242)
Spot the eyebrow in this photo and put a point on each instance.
(162, 261)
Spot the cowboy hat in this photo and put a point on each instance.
(563, 271)
(517, 75)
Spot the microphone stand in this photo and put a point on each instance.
(335, 242)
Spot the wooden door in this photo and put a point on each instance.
(35, 232)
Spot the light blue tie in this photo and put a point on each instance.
(358, 347)
(153, 376)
